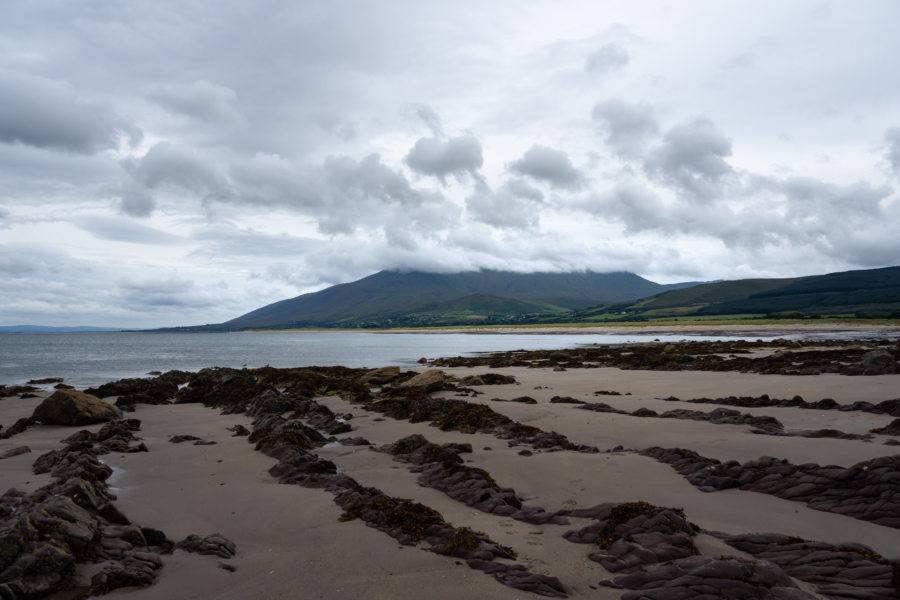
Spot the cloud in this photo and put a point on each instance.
(201, 100)
(163, 294)
(628, 126)
(48, 113)
(457, 156)
(691, 159)
(167, 166)
(548, 165)
(892, 139)
(516, 205)
(428, 117)
(124, 230)
(609, 57)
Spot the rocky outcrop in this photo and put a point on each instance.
(442, 468)
(710, 578)
(869, 490)
(45, 534)
(789, 358)
(838, 571)
(632, 535)
(73, 408)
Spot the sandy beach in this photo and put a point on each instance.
(290, 542)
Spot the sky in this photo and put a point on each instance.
(179, 163)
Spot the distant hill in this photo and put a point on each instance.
(393, 298)
(870, 292)
(50, 329)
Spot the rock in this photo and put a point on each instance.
(893, 428)
(15, 452)
(45, 380)
(488, 379)
(73, 408)
(381, 376)
(138, 569)
(177, 439)
(215, 544)
(877, 359)
(524, 400)
(238, 430)
(565, 400)
(431, 380)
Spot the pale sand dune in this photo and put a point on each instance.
(291, 545)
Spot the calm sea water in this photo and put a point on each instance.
(86, 359)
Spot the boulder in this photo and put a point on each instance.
(431, 380)
(380, 376)
(73, 408)
(877, 358)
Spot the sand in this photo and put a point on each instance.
(290, 543)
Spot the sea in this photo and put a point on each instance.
(90, 359)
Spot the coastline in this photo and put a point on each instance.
(718, 329)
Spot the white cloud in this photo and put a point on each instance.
(549, 165)
(457, 156)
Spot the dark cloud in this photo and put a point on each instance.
(609, 57)
(164, 294)
(49, 113)
(166, 167)
(892, 139)
(457, 156)
(124, 230)
(628, 126)
(691, 159)
(549, 165)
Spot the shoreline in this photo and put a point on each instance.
(736, 329)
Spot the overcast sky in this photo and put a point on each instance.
(175, 163)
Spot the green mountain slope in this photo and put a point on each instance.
(392, 294)
(871, 291)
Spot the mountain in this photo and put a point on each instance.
(399, 298)
(862, 292)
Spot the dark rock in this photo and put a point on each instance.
(632, 535)
(488, 379)
(837, 570)
(866, 491)
(238, 430)
(137, 569)
(355, 441)
(893, 428)
(15, 452)
(381, 376)
(214, 544)
(177, 439)
(45, 380)
(709, 578)
(73, 408)
(565, 400)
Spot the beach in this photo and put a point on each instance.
(295, 540)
